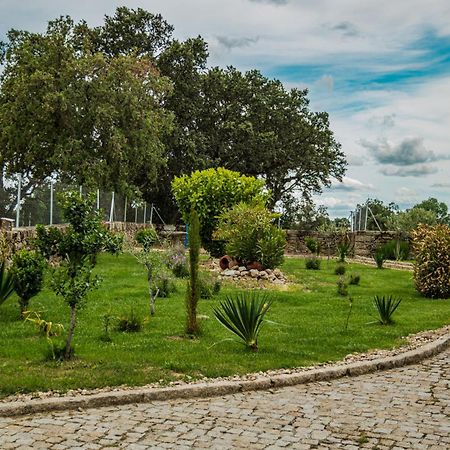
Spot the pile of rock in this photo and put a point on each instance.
(241, 272)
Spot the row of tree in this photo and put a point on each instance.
(127, 107)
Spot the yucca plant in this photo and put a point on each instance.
(386, 306)
(243, 314)
(6, 283)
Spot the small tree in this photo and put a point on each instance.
(28, 272)
(193, 285)
(212, 192)
(77, 247)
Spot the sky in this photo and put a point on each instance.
(380, 68)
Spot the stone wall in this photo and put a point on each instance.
(363, 243)
(19, 238)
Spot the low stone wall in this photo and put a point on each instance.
(363, 243)
(19, 238)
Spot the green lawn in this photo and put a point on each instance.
(310, 319)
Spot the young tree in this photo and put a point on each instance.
(211, 192)
(193, 285)
(440, 209)
(77, 247)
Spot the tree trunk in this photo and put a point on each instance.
(73, 321)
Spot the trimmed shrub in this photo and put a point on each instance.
(431, 245)
(28, 272)
(312, 263)
(354, 280)
(251, 236)
(340, 269)
(146, 237)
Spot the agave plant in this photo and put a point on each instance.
(6, 283)
(386, 306)
(243, 314)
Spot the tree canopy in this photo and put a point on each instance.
(125, 105)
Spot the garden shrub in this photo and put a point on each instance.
(129, 323)
(250, 235)
(343, 247)
(177, 262)
(211, 192)
(340, 269)
(431, 246)
(165, 284)
(379, 257)
(312, 245)
(312, 263)
(146, 237)
(354, 279)
(28, 272)
(342, 287)
(396, 250)
(209, 285)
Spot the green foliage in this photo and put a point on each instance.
(396, 250)
(440, 209)
(250, 235)
(165, 285)
(342, 287)
(354, 280)
(343, 247)
(147, 237)
(77, 247)
(340, 269)
(406, 221)
(129, 323)
(431, 245)
(312, 245)
(28, 272)
(379, 257)
(193, 291)
(210, 285)
(6, 283)
(177, 262)
(381, 212)
(211, 193)
(386, 307)
(243, 314)
(312, 263)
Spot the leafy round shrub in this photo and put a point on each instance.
(28, 272)
(146, 237)
(340, 269)
(251, 236)
(431, 245)
(312, 263)
(313, 245)
(211, 192)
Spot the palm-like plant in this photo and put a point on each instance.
(386, 306)
(6, 283)
(243, 315)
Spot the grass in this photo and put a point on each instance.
(310, 319)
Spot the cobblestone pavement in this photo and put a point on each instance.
(407, 408)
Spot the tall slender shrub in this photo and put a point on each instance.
(193, 284)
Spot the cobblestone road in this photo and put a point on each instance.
(406, 408)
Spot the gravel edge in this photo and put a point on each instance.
(225, 387)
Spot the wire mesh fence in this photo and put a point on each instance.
(27, 206)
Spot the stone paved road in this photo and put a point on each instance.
(406, 408)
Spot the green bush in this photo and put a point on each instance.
(354, 280)
(209, 285)
(177, 262)
(250, 235)
(340, 269)
(312, 245)
(343, 247)
(312, 263)
(396, 250)
(165, 284)
(342, 287)
(431, 245)
(28, 272)
(379, 257)
(129, 323)
(211, 192)
(147, 237)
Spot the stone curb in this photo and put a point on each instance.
(217, 389)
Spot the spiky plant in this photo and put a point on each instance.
(243, 314)
(6, 283)
(386, 306)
